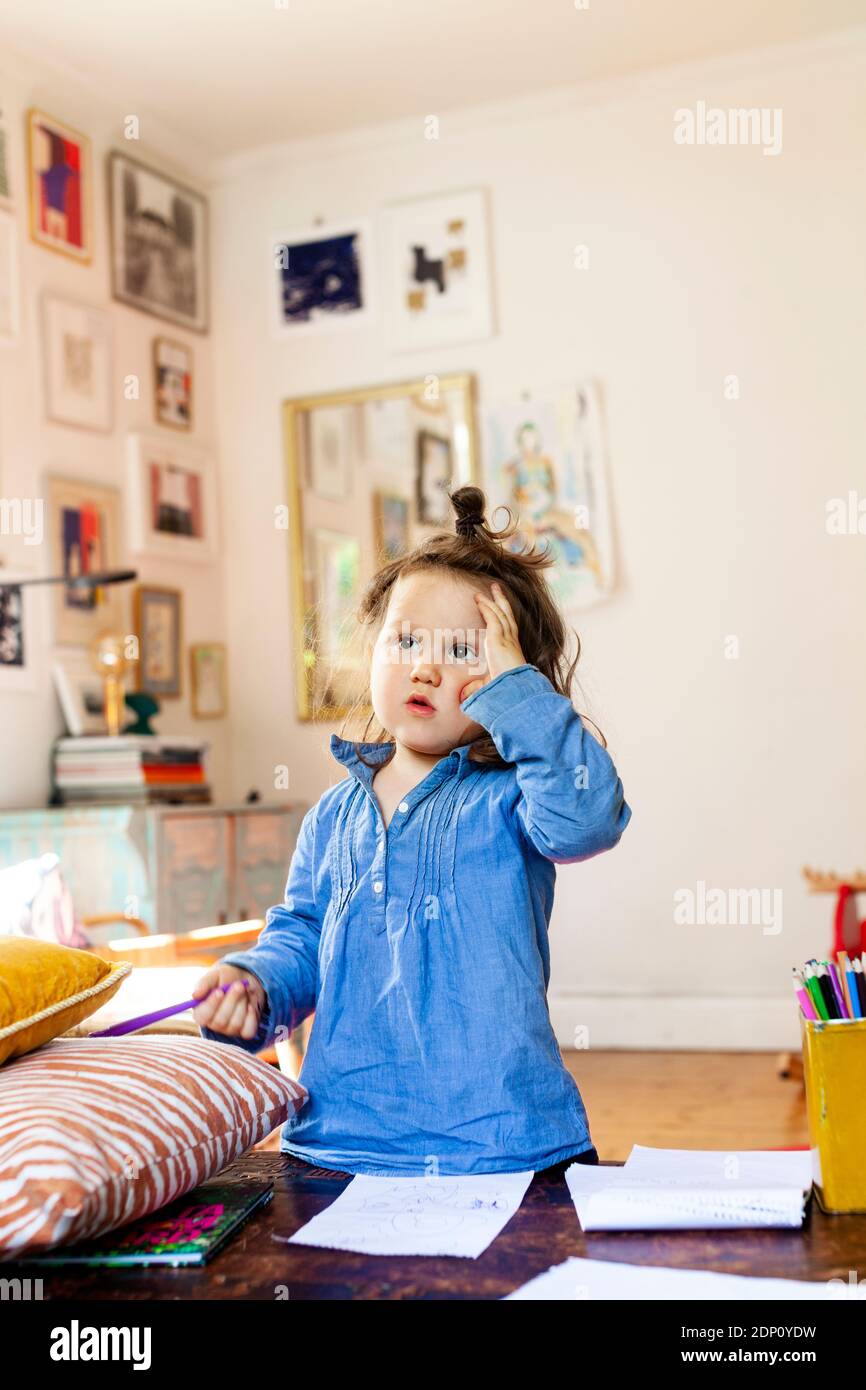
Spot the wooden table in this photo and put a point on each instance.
(544, 1232)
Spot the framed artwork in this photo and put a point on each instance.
(60, 186)
(80, 692)
(437, 289)
(323, 277)
(172, 505)
(84, 523)
(209, 685)
(9, 291)
(340, 535)
(159, 243)
(172, 384)
(330, 451)
(17, 635)
(547, 460)
(338, 572)
(6, 198)
(158, 623)
(433, 471)
(77, 355)
(390, 526)
(387, 440)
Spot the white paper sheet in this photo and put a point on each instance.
(690, 1189)
(577, 1278)
(417, 1216)
(722, 1167)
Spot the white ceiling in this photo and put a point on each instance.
(232, 75)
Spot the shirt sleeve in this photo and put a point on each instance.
(571, 803)
(285, 957)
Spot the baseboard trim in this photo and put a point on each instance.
(693, 1024)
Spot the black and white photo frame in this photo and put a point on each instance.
(159, 243)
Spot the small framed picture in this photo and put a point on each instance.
(159, 243)
(77, 354)
(172, 384)
(60, 186)
(79, 690)
(172, 505)
(437, 290)
(330, 451)
(322, 278)
(7, 200)
(10, 298)
(17, 635)
(433, 469)
(390, 526)
(158, 624)
(84, 525)
(209, 687)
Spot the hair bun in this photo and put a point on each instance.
(468, 503)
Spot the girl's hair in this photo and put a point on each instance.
(476, 552)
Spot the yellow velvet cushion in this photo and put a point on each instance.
(46, 988)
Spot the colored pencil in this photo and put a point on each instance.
(804, 997)
(815, 991)
(142, 1021)
(837, 992)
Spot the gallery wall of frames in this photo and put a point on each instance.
(366, 468)
(154, 508)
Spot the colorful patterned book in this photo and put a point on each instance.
(186, 1232)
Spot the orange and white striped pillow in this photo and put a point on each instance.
(95, 1132)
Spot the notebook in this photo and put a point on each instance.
(682, 1189)
(188, 1231)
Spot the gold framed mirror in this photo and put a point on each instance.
(367, 474)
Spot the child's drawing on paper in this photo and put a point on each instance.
(423, 1216)
(547, 465)
(428, 1209)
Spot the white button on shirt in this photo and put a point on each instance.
(404, 806)
(377, 887)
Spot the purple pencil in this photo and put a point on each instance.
(837, 989)
(118, 1029)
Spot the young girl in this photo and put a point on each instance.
(419, 895)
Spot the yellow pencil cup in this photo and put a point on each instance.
(834, 1067)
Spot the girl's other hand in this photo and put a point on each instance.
(503, 648)
(235, 1013)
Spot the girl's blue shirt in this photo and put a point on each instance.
(423, 948)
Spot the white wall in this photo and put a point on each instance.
(703, 262)
(31, 446)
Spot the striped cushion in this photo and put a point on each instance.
(95, 1132)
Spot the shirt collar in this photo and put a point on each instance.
(344, 750)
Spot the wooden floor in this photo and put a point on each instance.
(689, 1100)
(683, 1100)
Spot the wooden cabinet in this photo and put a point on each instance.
(177, 867)
(262, 850)
(193, 871)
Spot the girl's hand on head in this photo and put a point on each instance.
(235, 1013)
(502, 642)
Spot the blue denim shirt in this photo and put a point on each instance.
(423, 948)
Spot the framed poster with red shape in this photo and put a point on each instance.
(60, 186)
(172, 501)
(84, 524)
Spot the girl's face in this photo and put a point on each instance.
(432, 644)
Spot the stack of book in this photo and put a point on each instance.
(144, 768)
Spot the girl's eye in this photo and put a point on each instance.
(406, 635)
(467, 649)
